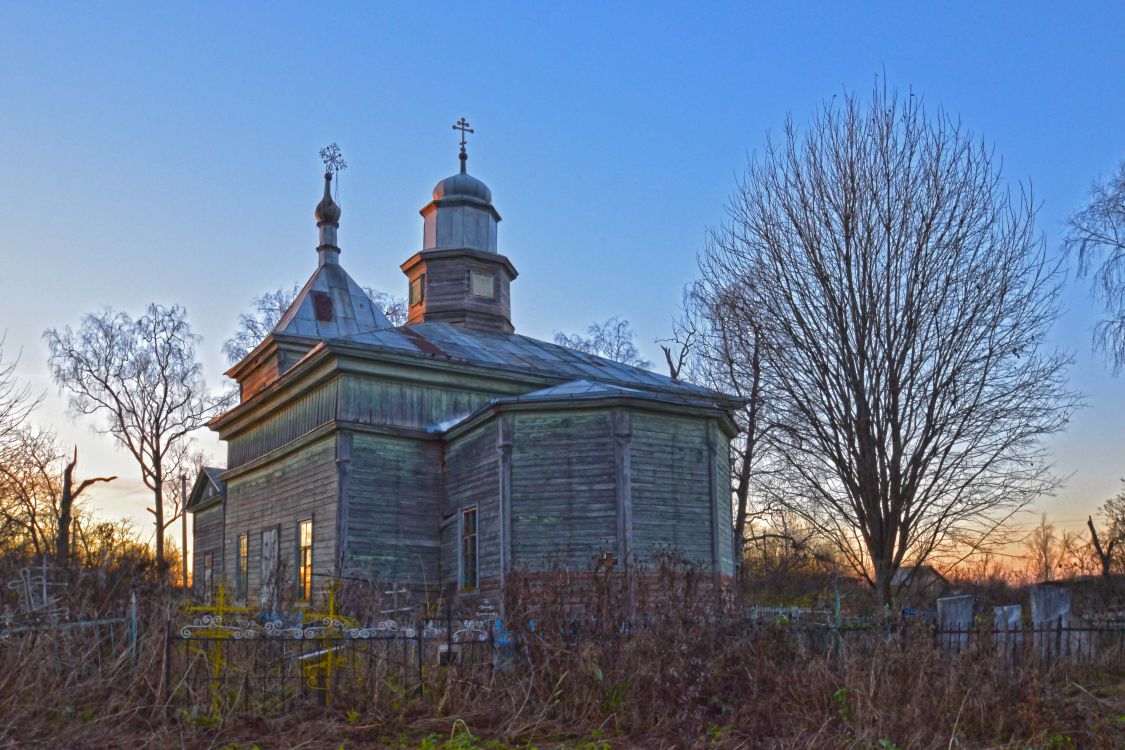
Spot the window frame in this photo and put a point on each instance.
(462, 539)
(304, 582)
(420, 279)
(242, 567)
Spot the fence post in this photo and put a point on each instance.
(166, 689)
(448, 633)
(418, 636)
(133, 627)
(1058, 637)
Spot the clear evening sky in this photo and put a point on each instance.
(151, 153)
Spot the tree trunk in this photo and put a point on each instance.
(66, 505)
(158, 512)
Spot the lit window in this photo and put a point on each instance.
(469, 548)
(418, 290)
(304, 560)
(208, 575)
(243, 582)
(483, 286)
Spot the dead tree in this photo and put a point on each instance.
(903, 299)
(67, 497)
(143, 378)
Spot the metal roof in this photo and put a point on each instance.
(331, 305)
(513, 352)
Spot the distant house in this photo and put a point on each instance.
(445, 453)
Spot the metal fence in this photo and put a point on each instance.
(267, 665)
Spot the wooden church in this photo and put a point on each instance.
(442, 454)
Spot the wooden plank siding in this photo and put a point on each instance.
(472, 477)
(394, 510)
(281, 494)
(400, 404)
(207, 538)
(671, 487)
(726, 506)
(564, 499)
(291, 421)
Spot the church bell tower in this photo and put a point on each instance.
(458, 277)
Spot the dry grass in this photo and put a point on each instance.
(686, 673)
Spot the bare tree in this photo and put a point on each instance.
(16, 399)
(903, 299)
(1097, 234)
(71, 491)
(1045, 550)
(143, 378)
(1108, 541)
(39, 493)
(718, 349)
(612, 339)
(254, 326)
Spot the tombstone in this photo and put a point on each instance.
(1007, 626)
(1050, 606)
(955, 618)
(1050, 619)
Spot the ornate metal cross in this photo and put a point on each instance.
(463, 126)
(333, 159)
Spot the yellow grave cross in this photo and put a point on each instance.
(214, 615)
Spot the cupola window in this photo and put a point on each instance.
(483, 285)
(418, 290)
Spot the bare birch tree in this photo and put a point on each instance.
(612, 339)
(903, 298)
(1097, 234)
(143, 379)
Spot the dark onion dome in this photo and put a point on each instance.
(327, 212)
(463, 185)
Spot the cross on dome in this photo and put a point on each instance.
(463, 126)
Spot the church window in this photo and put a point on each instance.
(243, 580)
(304, 560)
(468, 561)
(208, 575)
(483, 285)
(418, 290)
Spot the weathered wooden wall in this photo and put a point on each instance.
(405, 405)
(564, 503)
(394, 509)
(472, 478)
(672, 490)
(207, 537)
(289, 422)
(281, 494)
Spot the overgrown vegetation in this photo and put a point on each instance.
(604, 661)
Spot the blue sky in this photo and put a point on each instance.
(152, 152)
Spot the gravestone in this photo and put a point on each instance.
(1007, 624)
(1050, 618)
(1050, 606)
(955, 618)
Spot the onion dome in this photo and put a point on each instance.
(327, 212)
(463, 185)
